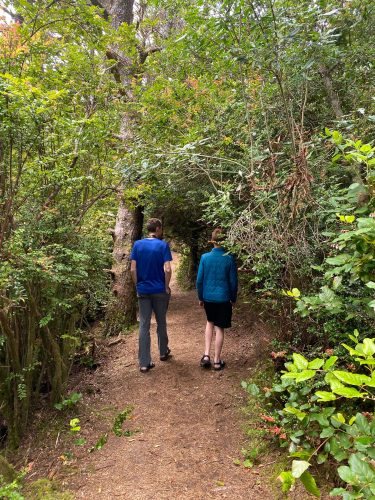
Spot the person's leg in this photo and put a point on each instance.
(205, 360)
(160, 303)
(145, 312)
(219, 340)
(208, 337)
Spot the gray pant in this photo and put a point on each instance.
(157, 302)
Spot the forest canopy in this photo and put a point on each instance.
(255, 116)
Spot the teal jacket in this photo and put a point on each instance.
(217, 277)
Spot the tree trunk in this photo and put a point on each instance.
(122, 311)
(332, 95)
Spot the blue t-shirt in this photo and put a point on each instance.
(150, 255)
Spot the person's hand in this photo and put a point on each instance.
(201, 303)
(168, 290)
(233, 304)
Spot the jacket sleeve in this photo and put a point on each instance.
(200, 277)
(233, 280)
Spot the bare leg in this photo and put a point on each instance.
(208, 337)
(219, 340)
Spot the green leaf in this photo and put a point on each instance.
(339, 260)
(347, 392)
(344, 440)
(352, 352)
(363, 470)
(300, 361)
(248, 463)
(351, 378)
(327, 432)
(325, 396)
(80, 441)
(287, 480)
(309, 483)
(346, 495)
(333, 381)
(369, 347)
(363, 443)
(299, 467)
(289, 375)
(74, 427)
(295, 411)
(362, 423)
(321, 458)
(330, 362)
(305, 375)
(315, 364)
(340, 417)
(253, 389)
(336, 449)
(370, 284)
(100, 443)
(305, 455)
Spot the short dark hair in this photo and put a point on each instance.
(153, 224)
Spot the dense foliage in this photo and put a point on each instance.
(256, 116)
(59, 111)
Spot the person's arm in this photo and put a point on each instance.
(168, 275)
(133, 271)
(199, 284)
(233, 280)
(167, 267)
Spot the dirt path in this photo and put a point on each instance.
(190, 421)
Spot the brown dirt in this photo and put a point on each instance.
(190, 422)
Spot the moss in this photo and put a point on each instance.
(44, 489)
(7, 471)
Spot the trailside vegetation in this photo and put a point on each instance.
(253, 115)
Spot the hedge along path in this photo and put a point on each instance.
(190, 423)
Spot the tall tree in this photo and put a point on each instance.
(121, 311)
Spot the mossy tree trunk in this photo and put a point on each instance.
(121, 312)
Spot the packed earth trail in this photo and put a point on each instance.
(189, 423)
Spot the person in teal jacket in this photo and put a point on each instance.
(217, 285)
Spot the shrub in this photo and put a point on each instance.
(323, 409)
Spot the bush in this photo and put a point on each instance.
(322, 410)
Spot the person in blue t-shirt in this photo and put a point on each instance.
(151, 272)
(217, 292)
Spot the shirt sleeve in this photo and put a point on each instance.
(200, 278)
(167, 253)
(233, 280)
(133, 255)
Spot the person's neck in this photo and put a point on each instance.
(216, 246)
(152, 235)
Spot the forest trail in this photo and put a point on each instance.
(190, 421)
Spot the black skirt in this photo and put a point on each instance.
(219, 313)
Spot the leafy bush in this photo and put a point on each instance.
(317, 408)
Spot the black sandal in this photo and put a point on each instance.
(219, 365)
(205, 361)
(145, 369)
(166, 356)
